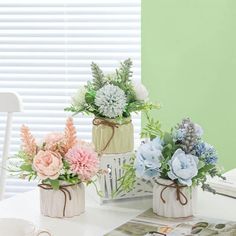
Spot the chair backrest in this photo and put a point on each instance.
(9, 102)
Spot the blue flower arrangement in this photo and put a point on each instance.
(180, 155)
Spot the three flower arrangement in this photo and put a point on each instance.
(174, 161)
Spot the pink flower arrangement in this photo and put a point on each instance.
(59, 157)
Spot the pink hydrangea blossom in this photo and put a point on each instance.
(48, 164)
(83, 161)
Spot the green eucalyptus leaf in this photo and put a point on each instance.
(201, 164)
(90, 96)
(26, 167)
(169, 146)
(168, 138)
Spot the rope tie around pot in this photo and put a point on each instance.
(179, 193)
(112, 125)
(63, 189)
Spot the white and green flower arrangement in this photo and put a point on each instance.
(113, 96)
(176, 162)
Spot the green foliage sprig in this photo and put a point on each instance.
(98, 76)
(128, 180)
(152, 128)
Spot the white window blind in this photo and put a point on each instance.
(46, 49)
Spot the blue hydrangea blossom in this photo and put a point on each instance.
(157, 144)
(207, 152)
(148, 159)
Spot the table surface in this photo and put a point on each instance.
(101, 218)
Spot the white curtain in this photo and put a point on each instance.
(46, 48)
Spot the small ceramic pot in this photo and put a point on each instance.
(109, 137)
(174, 201)
(68, 201)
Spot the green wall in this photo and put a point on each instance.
(189, 65)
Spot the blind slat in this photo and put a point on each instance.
(46, 52)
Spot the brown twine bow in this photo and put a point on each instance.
(179, 193)
(63, 189)
(112, 125)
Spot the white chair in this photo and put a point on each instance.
(9, 103)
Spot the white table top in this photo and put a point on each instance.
(100, 219)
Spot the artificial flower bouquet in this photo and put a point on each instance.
(176, 162)
(62, 163)
(111, 99)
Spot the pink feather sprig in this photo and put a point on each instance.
(29, 145)
(70, 134)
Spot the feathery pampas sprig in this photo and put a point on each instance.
(70, 134)
(28, 141)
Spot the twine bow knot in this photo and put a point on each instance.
(112, 125)
(63, 189)
(180, 196)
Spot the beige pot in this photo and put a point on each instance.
(66, 202)
(165, 201)
(109, 137)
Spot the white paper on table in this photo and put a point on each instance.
(225, 187)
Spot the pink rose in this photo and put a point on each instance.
(54, 142)
(47, 164)
(83, 161)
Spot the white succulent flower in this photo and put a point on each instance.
(140, 91)
(78, 99)
(111, 101)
